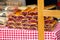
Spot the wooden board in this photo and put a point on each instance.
(40, 20)
(54, 13)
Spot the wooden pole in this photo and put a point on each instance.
(40, 19)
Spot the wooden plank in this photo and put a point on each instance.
(54, 13)
(40, 20)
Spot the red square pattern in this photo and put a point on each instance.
(17, 34)
(50, 36)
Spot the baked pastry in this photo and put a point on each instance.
(50, 23)
(33, 11)
(29, 17)
(34, 26)
(26, 11)
(24, 20)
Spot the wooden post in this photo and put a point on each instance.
(40, 19)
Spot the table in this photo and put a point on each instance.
(22, 34)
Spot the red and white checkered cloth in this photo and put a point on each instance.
(50, 36)
(17, 34)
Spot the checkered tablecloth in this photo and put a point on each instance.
(50, 36)
(17, 34)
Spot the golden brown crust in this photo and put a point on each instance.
(23, 20)
(50, 23)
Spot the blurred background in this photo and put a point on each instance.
(50, 4)
(19, 2)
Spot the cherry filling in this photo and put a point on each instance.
(24, 24)
(23, 21)
(29, 17)
(18, 20)
(35, 17)
(10, 19)
(49, 21)
(33, 21)
(35, 25)
(20, 17)
(33, 13)
(14, 17)
(24, 13)
(44, 18)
